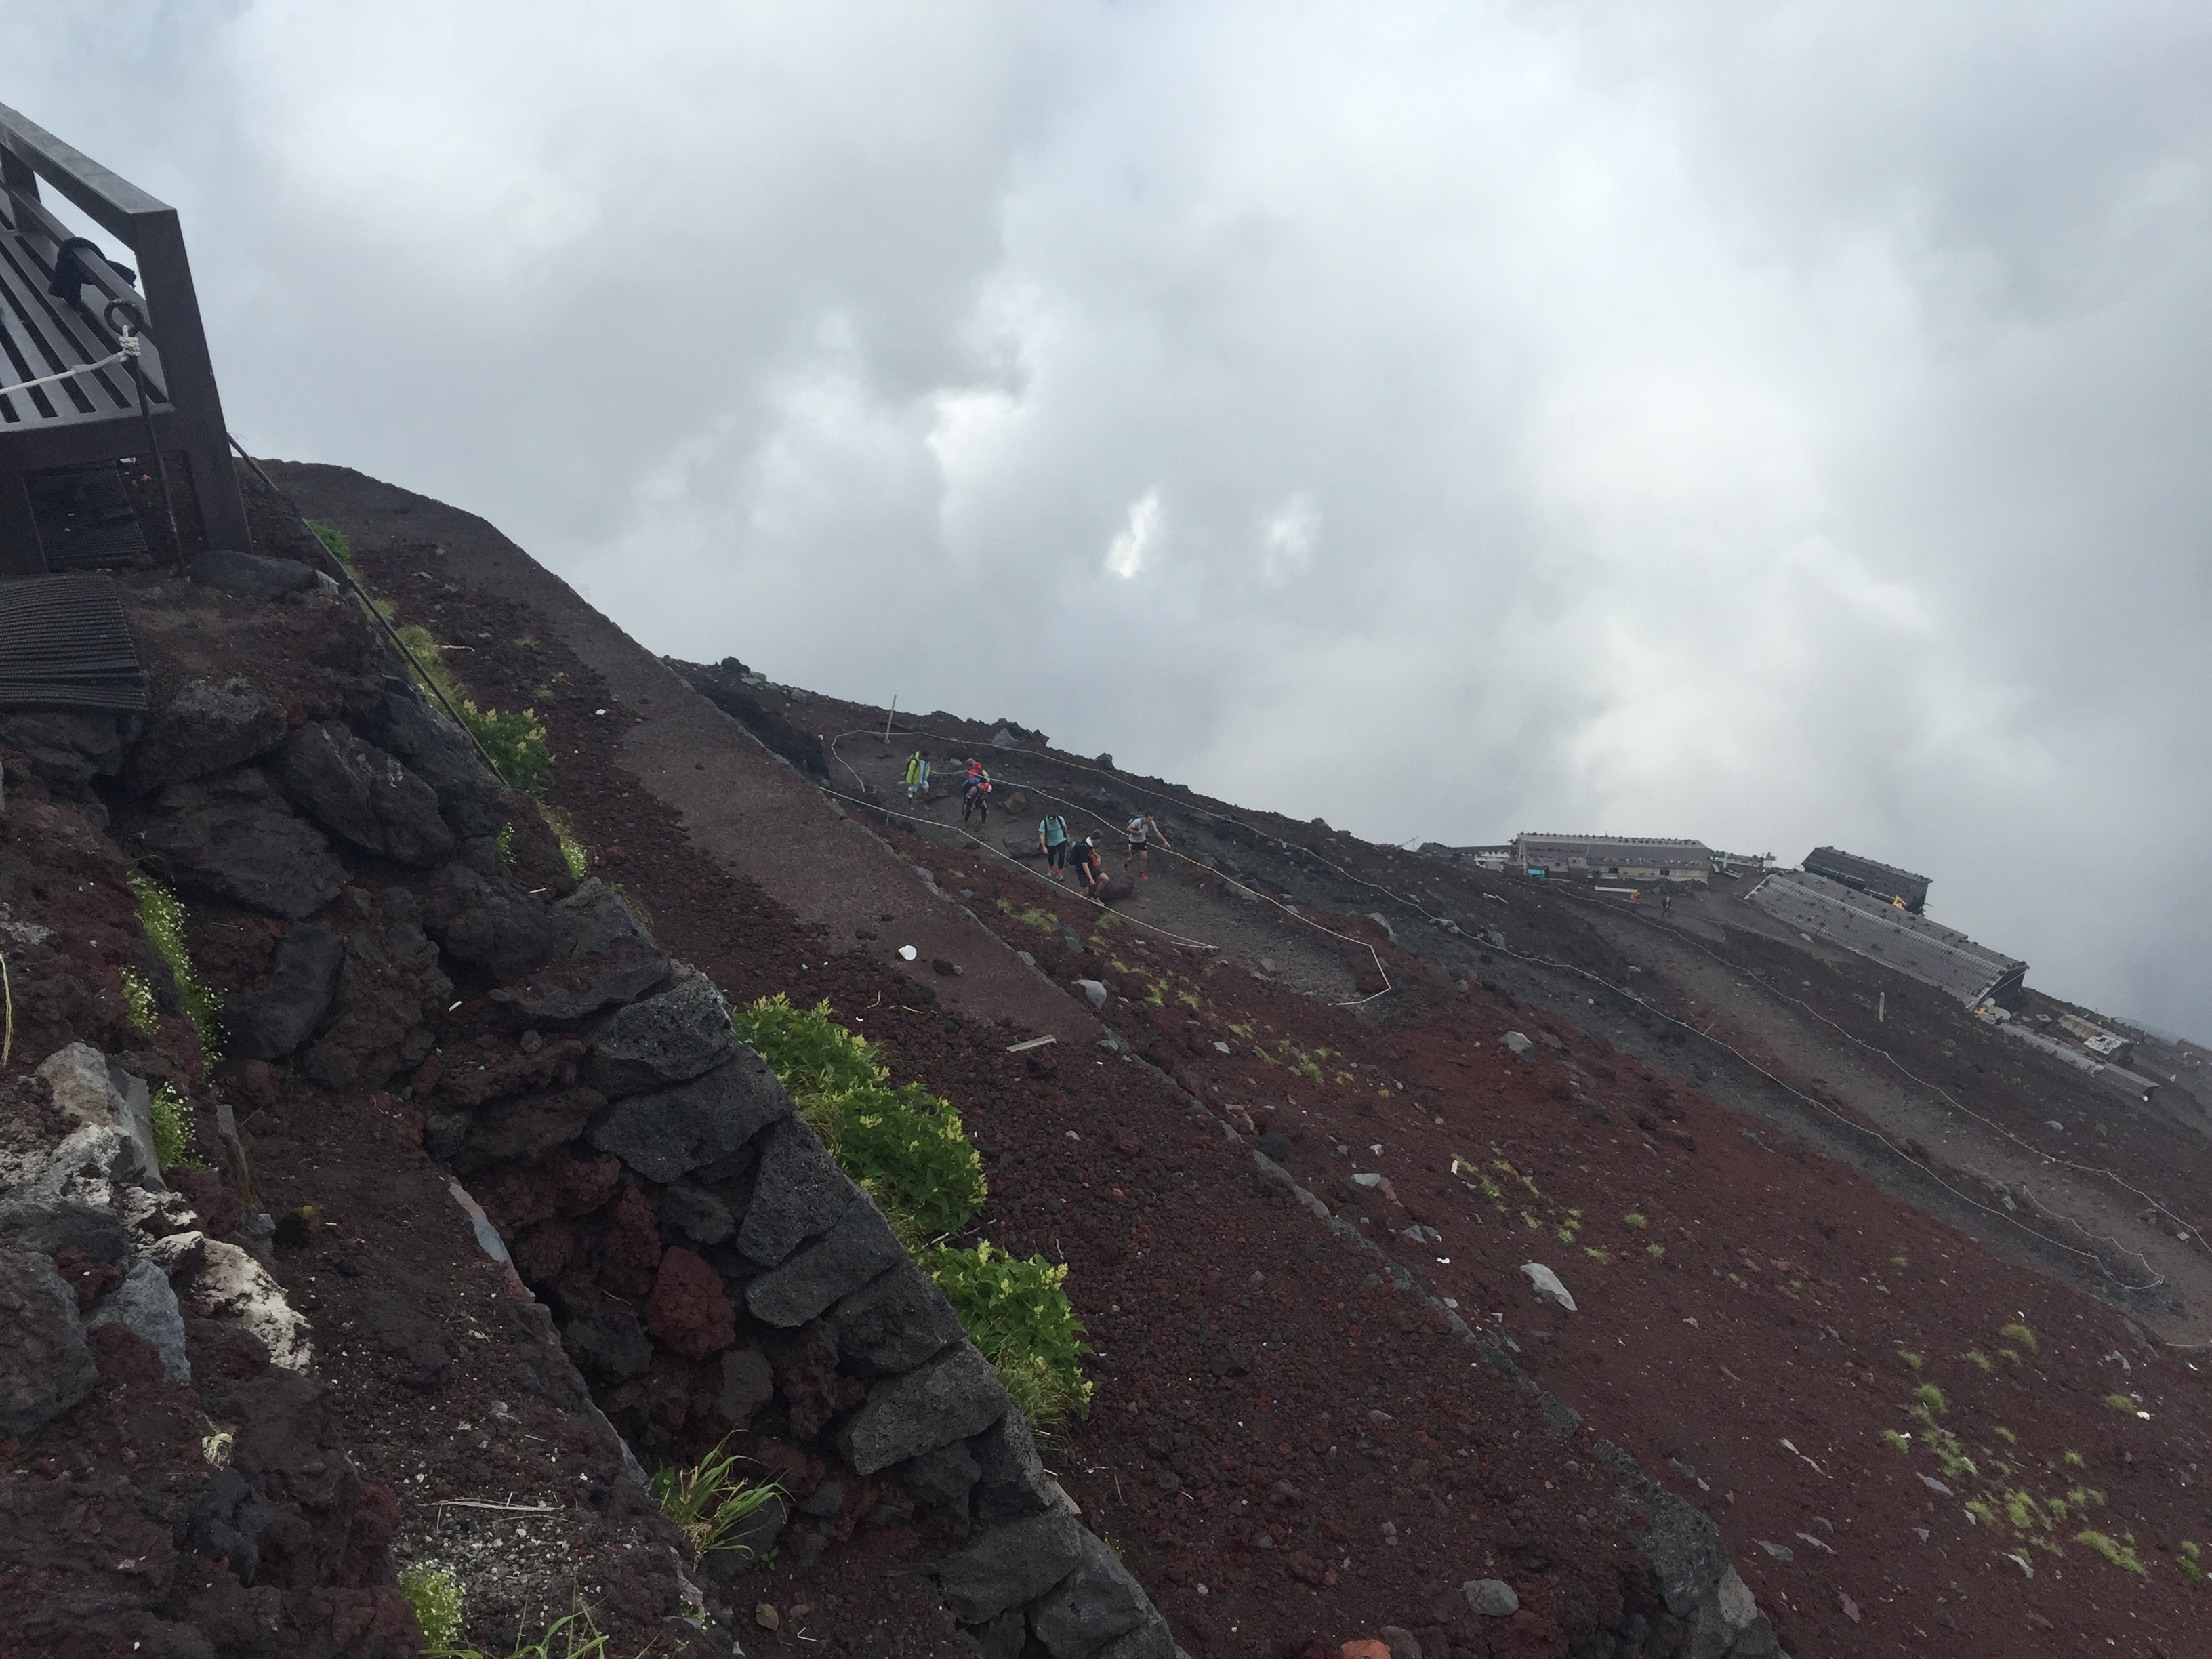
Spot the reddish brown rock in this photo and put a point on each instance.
(629, 1258)
(688, 1311)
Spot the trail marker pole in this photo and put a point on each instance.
(888, 715)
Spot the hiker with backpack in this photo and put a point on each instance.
(976, 796)
(1137, 830)
(917, 774)
(1052, 841)
(1090, 868)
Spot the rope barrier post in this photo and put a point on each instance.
(889, 715)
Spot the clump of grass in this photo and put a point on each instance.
(1596, 1254)
(145, 1013)
(574, 853)
(2120, 1402)
(2186, 1558)
(1019, 1316)
(163, 918)
(1979, 1359)
(1931, 1399)
(503, 844)
(173, 1140)
(1657, 1252)
(1912, 1359)
(435, 1594)
(2120, 1555)
(2005, 1434)
(334, 539)
(1635, 1220)
(1897, 1439)
(2073, 1460)
(2020, 1334)
(1981, 1511)
(707, 1502)
(574, 1635)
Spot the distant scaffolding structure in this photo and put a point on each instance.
(1885, 933)
(1630, 858)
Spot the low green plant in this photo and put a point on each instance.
(574, 1635)
(2120, 1402)
(1657, 1252)
(2072, 1460)
(145, 1013)
(334, 539)
(1931, 1399)
(2005, 1434)
(707, 1501)
(1912, 1359)
(1635, 1220)
(163, 918)
(435, 1594)
(2187, 1559)
(503, 843)
(1980, 1360)
(2120, 1555)
(173, 1140)
(574, 853)
(1019, 1316)
(2020, 1334)
(1900, 1441)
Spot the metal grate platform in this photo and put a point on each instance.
(64, 644)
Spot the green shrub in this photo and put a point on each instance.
(435, 1596)
(2120, 1402)
(333, 538)
(1019, 1315)
(707, 1501)
(173, 1140)
(1930, 1398)
(163, 918)
(1900, 1441)
(809, 1052)
(2192, 1568)
(1911, 1360)
(2020, 1334)
(908, 1149)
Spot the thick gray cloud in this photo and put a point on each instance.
(1780, 427)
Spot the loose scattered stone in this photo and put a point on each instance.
(1547, 1284)
(1493, 1598)
(146, 1305)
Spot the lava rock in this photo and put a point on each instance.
(610, 1339)
(66, 748)
(518, 1130)
(952, 1397)
(1688, 1554)
(944, 1476)
(470, 796)
(894, 1324)
(389, 990)
(1277, 1146)
(363, 795)
(700, 1216)
(250, 576)
(1012, 1482)
(801, 1191)
(1013, 1564)
(748, 1384)
(1096, 1602)
(666, 1134)
(1493, 1598)
(237, 1287)
(145, 1305)
(49, 1229)
(233, 837)
(689, 1310)
(270, 1023)
(45, 1365)
(204, 729)
(667, 1038)
(1094, 989)
(851, 1254)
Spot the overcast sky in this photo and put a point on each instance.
(1778, 425)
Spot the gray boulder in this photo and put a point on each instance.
(234, 837)
(146, 1305)
(670, 1037)
(1010, 1566)
(610, 1339)
(1150, 1639)
(45, 1367)
(851, 1254)
(204, 728)
(748, 1384)
(66, 748)
(472, 798)
(48, 1229)
(953, 1397)
(801, 1191)
(1096, 1602)
(236, 1286)
(250, 576)
(894, 1324)
(1493, 1598)
(487, 923)
(666, 1134)
(1688, 1554)
(944, 1478)
(363, 795)
(271, 1022)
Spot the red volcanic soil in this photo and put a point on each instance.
(1290, 1450)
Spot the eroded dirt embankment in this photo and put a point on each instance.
(1772, 1310)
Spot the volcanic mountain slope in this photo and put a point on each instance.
(1921, 1397)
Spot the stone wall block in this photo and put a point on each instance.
(363, 796)
(271, 1022)
(853, 1252)
(204, 729)
(46, 1366)
(1010, 1566)
(953, 1397)
(666, 1134)
(670, 1037)
(1096, 1602)
(146, 1305)
(800, 1192)
(893, 1324)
